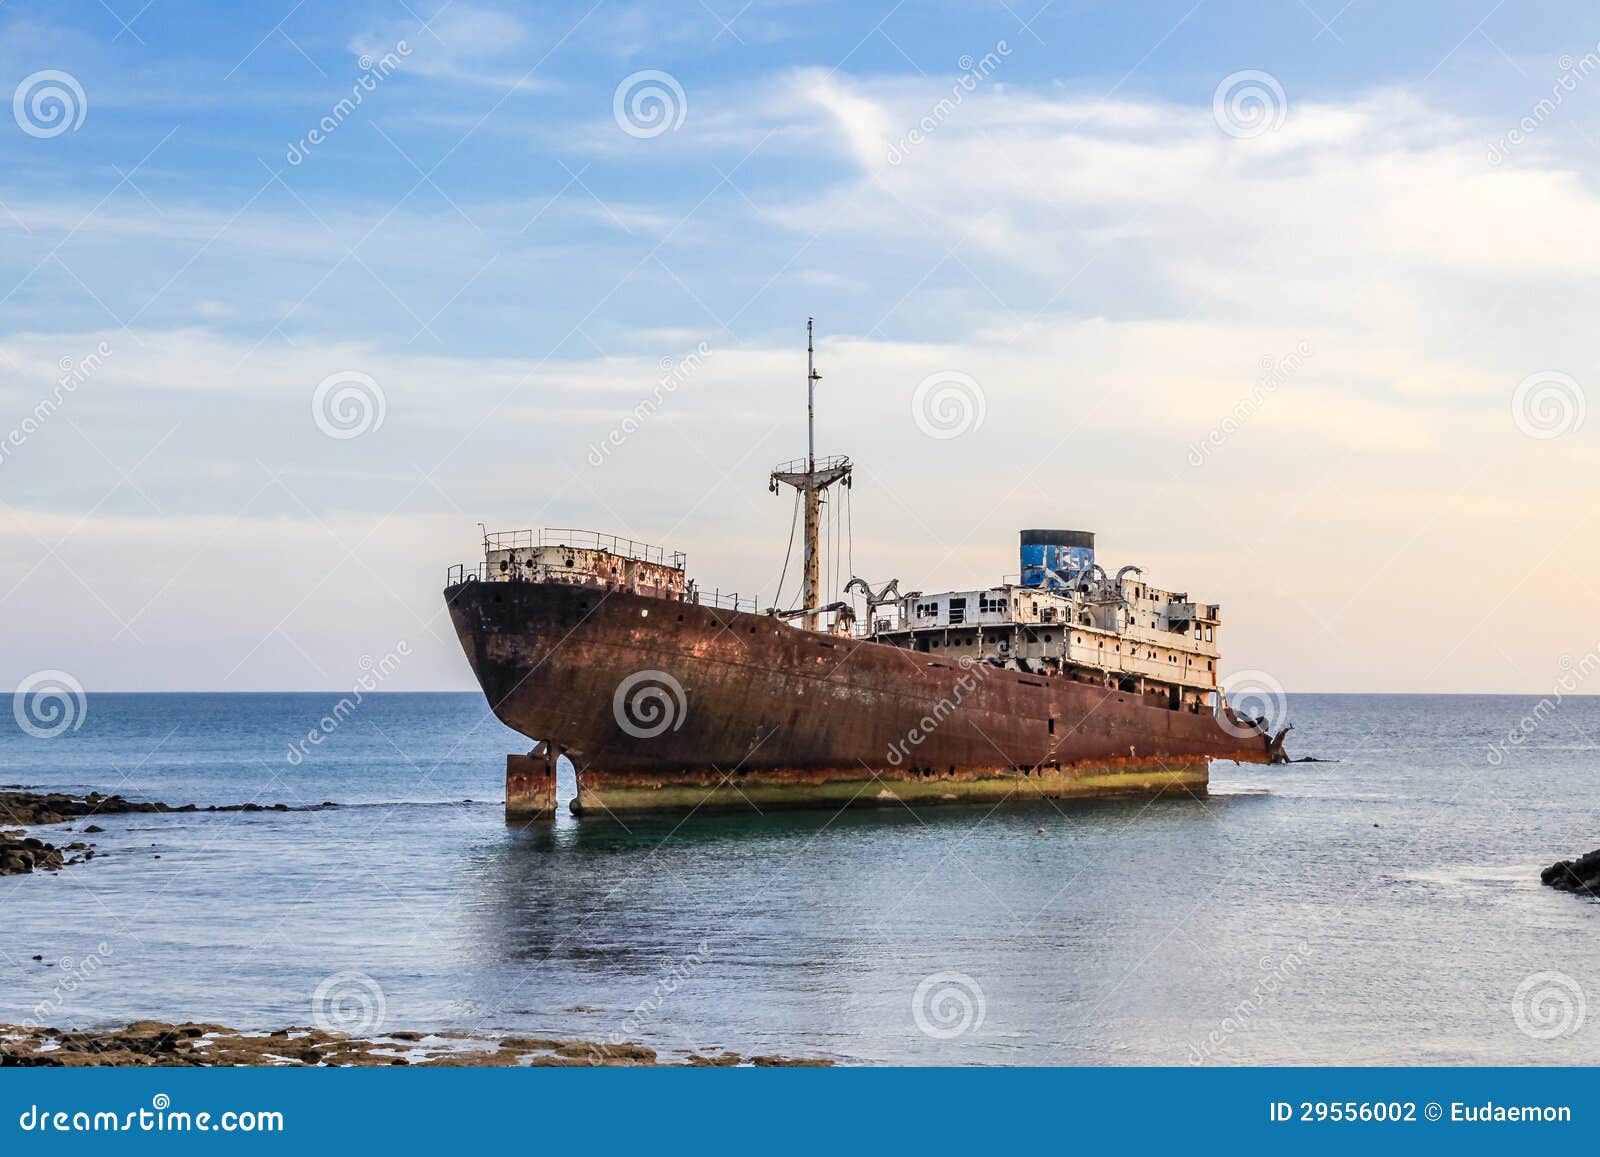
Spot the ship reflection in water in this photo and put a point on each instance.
(1382, 909)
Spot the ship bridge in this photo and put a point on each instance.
(1063, 615)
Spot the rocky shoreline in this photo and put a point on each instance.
(21, 853)
(160, 1044)
(1580, 875)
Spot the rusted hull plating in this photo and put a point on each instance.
(665, 705)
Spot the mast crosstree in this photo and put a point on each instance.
(810, 477)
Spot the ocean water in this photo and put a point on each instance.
(1381, 909)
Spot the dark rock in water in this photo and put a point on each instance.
(26, 807)
(1580, 875)
(21, 854)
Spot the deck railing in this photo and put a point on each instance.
(583, 540)
(728, 602)
(626, 547)
(482, 572)
(799, 465)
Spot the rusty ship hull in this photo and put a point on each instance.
(666, 705)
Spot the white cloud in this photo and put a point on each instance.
(464, 44)
(1112, 274)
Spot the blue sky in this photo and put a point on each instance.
(1333, 315)
(199, 103)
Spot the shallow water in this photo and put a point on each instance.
(1382, 909)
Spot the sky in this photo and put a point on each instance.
(1288, 302)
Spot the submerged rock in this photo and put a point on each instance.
(150, 1042)
(1580, 875)
(32, 808)
(19, 854)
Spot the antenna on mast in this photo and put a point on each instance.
(811, 482)
(812, 378)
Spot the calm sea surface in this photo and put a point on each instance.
(1382, 909)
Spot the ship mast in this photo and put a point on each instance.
(810, 483)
